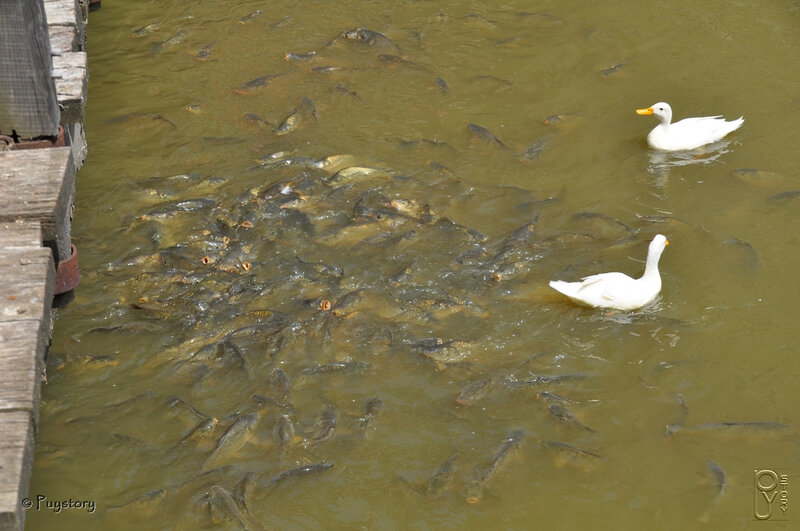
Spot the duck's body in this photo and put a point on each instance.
(617, 290)
(689, 133)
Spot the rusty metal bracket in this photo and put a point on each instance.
(8, 143)
(67, 273)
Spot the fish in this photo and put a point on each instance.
(94, 360)
(257, 82)
(169, 42)
(759, 177)
(750, 255)
(484, 135)
(283, 431)
(576, 455)
(223, 508)
(396, 59)
(256, 119)
(547, 396)
(446, 351)
(567, 417)
(324, 426)
(309, 108)
(442, 85)
(336, 366)
(371, 409)
(148, 28)
(476, 487)
(684, 409)
(556, 118)
(341, 87)
(250, 16)
(719, 476)
(306, 470)
(440, 479)
(329, 271)
(289, 123)
(726, 427)
(267, 401)
(544, 379)
(279, 385)
(243, 492)
(721, 483)
(291, 56)
(234, 438)
(373, 38)
(535, 149)
(205, 428)
(205, 51)
(612, 69)
(783, 196)
(327, 69)
(473, 391)
(148, 499)
(134, 115)
(346, 301)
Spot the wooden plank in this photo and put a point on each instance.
(71, 79)
(16, 466)
(20, 234)
(29, 107)
(24, 344)
(76, 140)
(27, 289)
(39, 185)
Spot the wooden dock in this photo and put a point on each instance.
(37, 189)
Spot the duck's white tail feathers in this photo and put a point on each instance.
(567, 288)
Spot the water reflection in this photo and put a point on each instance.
(662, 161)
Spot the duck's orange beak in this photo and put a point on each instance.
(648, 111)
(666, 242)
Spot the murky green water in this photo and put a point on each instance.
(215, 251)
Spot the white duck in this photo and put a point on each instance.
(618, 290)
(689, 133)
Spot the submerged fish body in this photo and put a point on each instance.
(300, 471)
(371, 410)
(566, 416)
(484, 135)
(373, 38)
(477, 487)
(473, 391)
(223, 509)
(283, 432)
(233, 439)
(566, 453)
(261, 81)
(726, 427)
(324, 426)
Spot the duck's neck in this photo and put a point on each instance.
(651, 267)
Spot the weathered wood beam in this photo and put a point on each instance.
(39, 185)
(26, 293)
(28, 104)
(70, 75)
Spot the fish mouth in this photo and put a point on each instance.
(648, 111)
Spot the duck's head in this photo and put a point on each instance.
(657, 246)
(660, 110)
